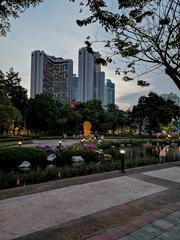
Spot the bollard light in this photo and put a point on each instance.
(122, 152)
(19, 143)
(60, 143)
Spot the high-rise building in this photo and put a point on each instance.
(109, 92)
(51, 75)
(74, 89)
(91, 79)
(173, 97)
(100, 87)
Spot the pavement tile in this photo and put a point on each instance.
(138, 222)
(172, 234)
(127, 238)
(175, 214)
(167, 210)
(149, 217)
(100, 237)
(159, 214)
(172, 219)
(163, 224)
(128, 228)
(177, 204)
(156, 238)
(115, 233)
(173, 207)
(142, 234)
(154, 229)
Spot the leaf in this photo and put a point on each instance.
(101, 61)
(143, 83)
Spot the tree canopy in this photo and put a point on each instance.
(153, 111)
(12, 9)
(12, 90)
(141, 32)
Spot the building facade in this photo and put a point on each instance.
(109, 92)
(74, 89)
(51, 75)
(173, 97)
(91, 79)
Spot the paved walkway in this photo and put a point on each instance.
(143, 205)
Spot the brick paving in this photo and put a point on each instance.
(165, 226)
(156, 216)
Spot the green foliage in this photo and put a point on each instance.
(43, 113)
(8, 115)
(140, 32)
(153, 111)
(91, 111)
(12, 96)
(12, 157)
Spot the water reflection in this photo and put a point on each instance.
(143, 154)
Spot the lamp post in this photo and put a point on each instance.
(122, 152)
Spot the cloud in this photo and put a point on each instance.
(51, 27)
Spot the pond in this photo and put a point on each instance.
(144, 154)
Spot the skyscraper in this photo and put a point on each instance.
(74, 89)
(109, 92)
(51, 75)
(90, 84)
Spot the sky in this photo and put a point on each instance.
(52, 27)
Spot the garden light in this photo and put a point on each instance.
(122, 152)
(19, 143)
(60, 143)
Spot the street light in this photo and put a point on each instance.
(122, 152)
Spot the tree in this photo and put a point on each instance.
(153, 111)
(12, 9)
(42, 113)
(94, 113)
(143, 31)
(10, 85)
(113, 116)
(8, 116)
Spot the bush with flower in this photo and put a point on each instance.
(82, 146)
(46, 148)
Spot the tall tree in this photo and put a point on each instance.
(94, 113)
(43, 114)
(113, 116)
(15, 92)
(141, 31)
(152, 111)
(12, 9)
(9, 115)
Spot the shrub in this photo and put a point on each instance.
(65, 156)
(12, 157)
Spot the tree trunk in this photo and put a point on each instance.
(173, 75)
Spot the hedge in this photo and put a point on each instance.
(12, 157)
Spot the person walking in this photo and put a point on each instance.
(162, 154)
